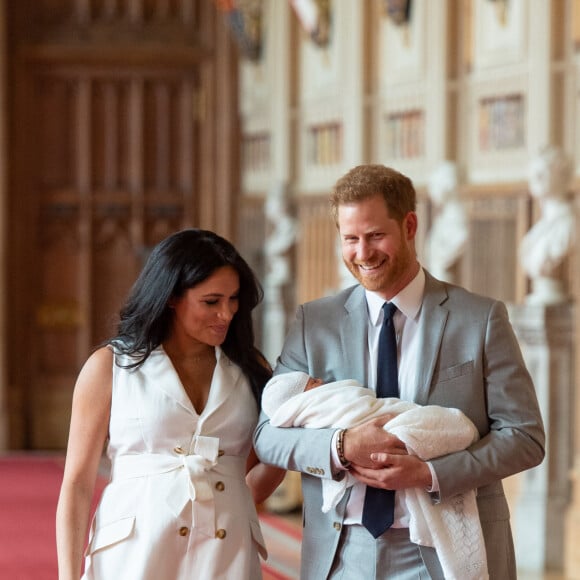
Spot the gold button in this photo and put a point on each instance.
(220, 534)
(220, 452)
(178, 449)
(183, 531)
(220, 486)
(337, 526)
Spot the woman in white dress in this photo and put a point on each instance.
(174, 396)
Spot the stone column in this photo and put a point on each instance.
(572, 556)
(572, 553)
(546, 336)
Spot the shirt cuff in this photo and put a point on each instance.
(337, 466)
(434, 489)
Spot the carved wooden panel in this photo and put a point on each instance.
(490, 265)
(317, 272)
(251, 239)
(118, 145)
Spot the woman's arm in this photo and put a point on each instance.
(262, 479)
(87, 435)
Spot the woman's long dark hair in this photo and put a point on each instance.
(178, 263)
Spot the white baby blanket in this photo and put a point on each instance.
(451, 527)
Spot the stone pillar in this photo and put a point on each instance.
(546, 336)
(572, 558)
(572, 554)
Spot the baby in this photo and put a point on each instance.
(452, 527)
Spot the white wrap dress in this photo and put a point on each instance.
(177, 505)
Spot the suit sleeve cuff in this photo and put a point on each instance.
(434, 489)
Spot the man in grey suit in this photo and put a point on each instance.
(455, 349)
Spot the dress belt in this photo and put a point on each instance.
(192, 483)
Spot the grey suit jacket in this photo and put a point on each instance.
(470, 359)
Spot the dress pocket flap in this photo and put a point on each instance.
(111, 534)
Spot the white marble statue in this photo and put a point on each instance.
(448, 235)
(282, 229)
(547, 243)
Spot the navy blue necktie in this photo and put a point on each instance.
(379, 504)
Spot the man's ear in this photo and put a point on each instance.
(410, 224)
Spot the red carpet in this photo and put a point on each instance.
(29, 486)
(28, 491)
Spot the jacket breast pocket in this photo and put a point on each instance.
(455, 371)
(110, 534)
(456, 386)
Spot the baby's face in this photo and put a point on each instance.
(312, 383)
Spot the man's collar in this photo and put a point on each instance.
(408, 300)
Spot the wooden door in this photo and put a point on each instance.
(118, 139)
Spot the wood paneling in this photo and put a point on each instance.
(252, 237)
(117, 143)
(317, 266)
(490, 264)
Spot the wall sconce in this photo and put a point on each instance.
(399, 11)
(245, 19)
(501, 10)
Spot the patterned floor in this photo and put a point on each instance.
(283, 536)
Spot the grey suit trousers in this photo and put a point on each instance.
(392, 556)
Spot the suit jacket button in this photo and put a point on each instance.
(178, 449)
(220, 534)
(337, 526)
(183, 531)
(220, 486)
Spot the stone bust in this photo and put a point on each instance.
(449, 233)
(547, 243)
(282, 235)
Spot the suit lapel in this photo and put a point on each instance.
(432, 324)
(354, 337)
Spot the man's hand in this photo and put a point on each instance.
(394, 471)
(380, 459)
(370, 437)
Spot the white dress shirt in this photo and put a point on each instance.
(406, 321)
